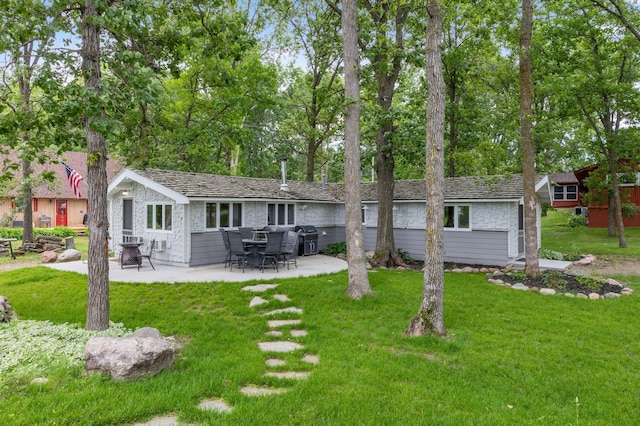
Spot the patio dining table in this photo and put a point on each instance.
(254, 246)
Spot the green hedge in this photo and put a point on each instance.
(58, 231)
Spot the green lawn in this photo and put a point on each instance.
(559, 237)
(512, 358)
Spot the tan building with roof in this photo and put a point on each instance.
(56, 205)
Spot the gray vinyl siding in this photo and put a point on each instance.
(473, 247)
(477, 247)
(207, 248)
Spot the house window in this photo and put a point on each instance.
(281, 214)
(160, 217)
(457, 217)
(223, 215)
(565, 192)
(35, 205)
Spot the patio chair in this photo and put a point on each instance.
(237, 250)
(246, 232)
(225, 240)
(271, 251)
(146, 253)
(290, 249)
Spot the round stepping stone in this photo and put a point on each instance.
(298, 333)
(281, 323)
(311, 359)
(258, 391)
(259, 288)
(256, 301)
(276, 333)
(273, 362)
(218, 405)
(297, 375)
(279, 346)
(161, 421)
(281, 297)
(290, 310)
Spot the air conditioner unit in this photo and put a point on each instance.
(581, 211)
(160, 245)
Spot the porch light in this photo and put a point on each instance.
(125, 193)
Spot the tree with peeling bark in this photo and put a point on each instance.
(528, 146)
(357, 269)
(430, 317)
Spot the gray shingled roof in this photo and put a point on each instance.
(563, 178)
(200, 185)
(456, 188)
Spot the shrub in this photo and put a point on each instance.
(58, 231)
(574, 254)
(577, 221)
(544, 253)
(336, 248)
(406, 257)
(554, 279)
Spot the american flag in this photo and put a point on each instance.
(74, 179)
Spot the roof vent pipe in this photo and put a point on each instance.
(324, 182)
(283, 172)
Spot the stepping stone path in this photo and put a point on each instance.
(279, 346)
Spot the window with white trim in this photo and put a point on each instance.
(160, 217)
(223, 215)
(281, 214)
(457, 217)
(565, 192)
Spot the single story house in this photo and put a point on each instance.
(184, 212)
(598, 208)
(56, 205)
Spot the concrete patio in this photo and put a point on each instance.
(307, 266)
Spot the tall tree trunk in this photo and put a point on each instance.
(27, 199)
(617, 201)
(358, 279)
(98, 262)
(312, 149)
(430, 317)
(386, 254)
(26, 190)
(528, 148)
(611, 215)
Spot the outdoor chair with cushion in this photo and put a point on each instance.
(146, 253)
(269, 256)
(239, 255)
(290, 249)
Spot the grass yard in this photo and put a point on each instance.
(512, 358)
(559, 237)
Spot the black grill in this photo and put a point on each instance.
(307, 239)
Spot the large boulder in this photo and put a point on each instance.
(69, 255)
(5, 310)
(49, 256)
(127, 358)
